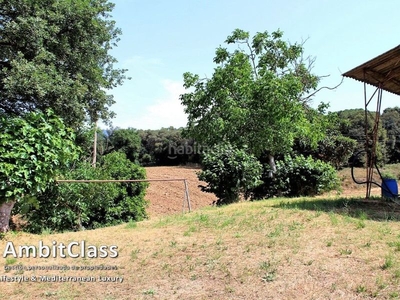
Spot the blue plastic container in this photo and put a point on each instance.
(389, 188)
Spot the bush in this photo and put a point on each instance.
(298, 176)
(229, 171)
(75, 206)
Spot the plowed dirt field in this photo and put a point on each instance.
(167, 197)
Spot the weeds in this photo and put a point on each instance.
(395, 245)
(333, 218)
(134, 254)
(361, 289)
(346, 251)
(380, 283)
(11, 260)
(269, 271)
(277, 231)
(389, 262)
(149, 292)
(131, 225)
(269, 276)
(360, 224)
(367, 244)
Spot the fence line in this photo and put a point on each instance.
(186, 197)
(115, 180)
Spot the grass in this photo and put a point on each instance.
(282, 248)
(389, 262)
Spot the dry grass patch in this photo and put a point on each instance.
(275, 249)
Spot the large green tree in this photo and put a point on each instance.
(353, 126)
(391, 122)
(257, 96)
(33, 150)
(55, 54)
(126, 141)
(335, 148)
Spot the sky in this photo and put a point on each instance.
(161, 40)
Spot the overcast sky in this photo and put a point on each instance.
(163, 39)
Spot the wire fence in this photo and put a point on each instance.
(186, 198)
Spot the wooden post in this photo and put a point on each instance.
(187, 195)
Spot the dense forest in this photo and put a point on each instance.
(344, 138)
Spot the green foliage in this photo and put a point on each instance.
(391, 122)
(256, 96)
(229, 171)
(335, 148)
(166, 146)
(74, 206)
(54, 54)
(353, 126)
(388, 175)
(298, 176)
(33, 151)
(126, 141)
(162, 147)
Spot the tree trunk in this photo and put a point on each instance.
(5, 214)
(95, 146)
(271, 162)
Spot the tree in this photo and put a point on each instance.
(126, 141)
(76, 206)
(257, 96)
(335, 148)
(33, 150)
(353, 126)
(85, 139)
(298, 176)
(229, 171)
(166, 146)
(391, 122)
(54, 54)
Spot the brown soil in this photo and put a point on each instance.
(168, 197)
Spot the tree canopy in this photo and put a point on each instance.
(55, 54)
(391, 122)
(126, 141)
(33, 150)
(257, 96)
(353, 126)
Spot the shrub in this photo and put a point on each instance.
(337, 150)
(75, 206)
(298, 176)
(388, 175)
(229, 171)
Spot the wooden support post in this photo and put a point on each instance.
(187, 195)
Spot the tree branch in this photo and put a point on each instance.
(252, 57)
(321, 88)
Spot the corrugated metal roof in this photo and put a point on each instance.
(383, 70)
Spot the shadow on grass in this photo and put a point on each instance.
(374, 209)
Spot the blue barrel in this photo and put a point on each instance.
(389, 188)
